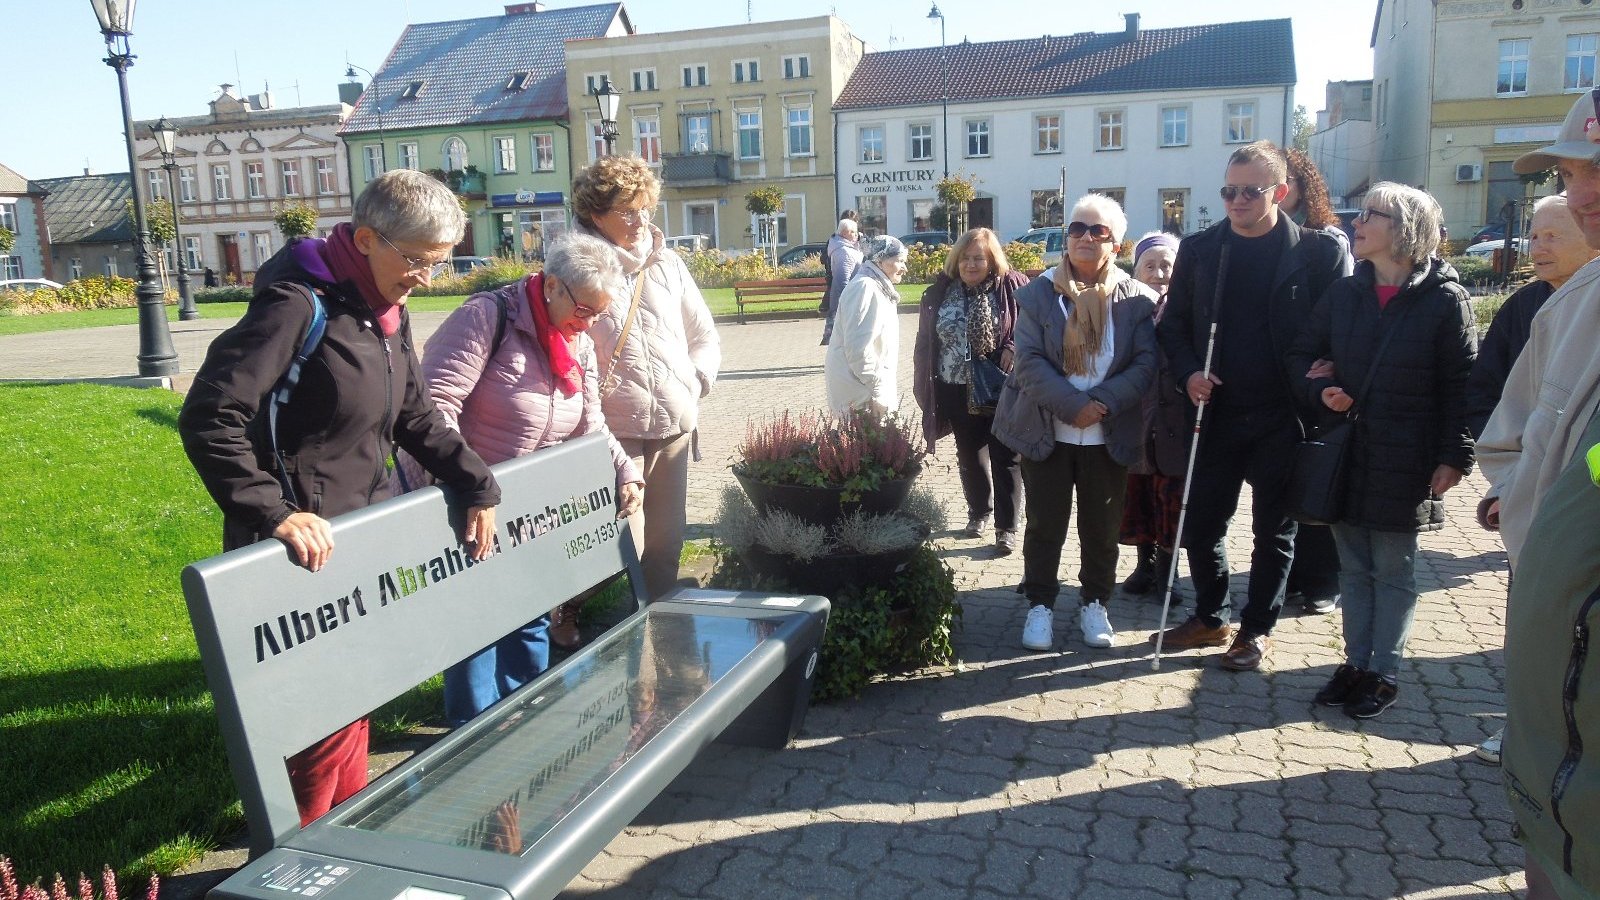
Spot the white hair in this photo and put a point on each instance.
(1110, 213)
(847, 226)
(1544, 203)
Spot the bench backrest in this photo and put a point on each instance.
(781, 286)
(292, 656)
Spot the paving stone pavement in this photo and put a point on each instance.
(1078, 773)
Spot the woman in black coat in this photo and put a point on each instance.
(1405, 309)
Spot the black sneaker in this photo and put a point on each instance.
(1340, 687)
(1371, 697)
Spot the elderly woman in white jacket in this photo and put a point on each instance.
(658, 354)
(866, 332)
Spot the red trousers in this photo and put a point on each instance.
(330, 771)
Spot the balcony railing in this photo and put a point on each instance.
(696, 169)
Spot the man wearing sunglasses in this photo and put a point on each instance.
(1257, 293)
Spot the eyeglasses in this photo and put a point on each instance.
(415, 264)
(1250, 192)
(578, 309)
(1366, 215)
(1097, 231)
(632, 216)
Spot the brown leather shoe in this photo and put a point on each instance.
(564, 631)
(1246, 653)
(1193, 633)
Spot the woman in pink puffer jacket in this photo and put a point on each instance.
(538, 388)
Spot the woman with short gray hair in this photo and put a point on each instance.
(859, 367)
(514, 371)
(1399, 334)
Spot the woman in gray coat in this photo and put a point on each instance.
(1086, 354)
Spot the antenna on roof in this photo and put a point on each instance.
(749, 10)
(892, 39)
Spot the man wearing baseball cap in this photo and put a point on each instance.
(1548, 514)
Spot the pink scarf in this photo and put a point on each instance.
(563, 365)
(351, 267)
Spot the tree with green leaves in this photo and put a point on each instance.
(765, 202)
(296, 220)
(1303, 126)
(7, 240)
(955, 192)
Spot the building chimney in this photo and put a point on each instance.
(519, 9)
(1131, 29)
(350, 92)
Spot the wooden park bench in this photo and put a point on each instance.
(516, 802)
(783, 290)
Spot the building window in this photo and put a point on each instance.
(455, 155)
(8, 217)
(750, 134)
(10, 267)
(874, 210)
(1513, 77)
(544, 153)
(221, 183)
(1109, 135)
(921, 215)
(797, 66)
(263, 246)
(1579, 72)
(1175, 126)
(186, 183)
(108, 265)
(977, 137)
(1174, 203)
(1047, 134)
(1046, 209)
(597, 140)
(696, 75)
(411, 91)
(746, 70)
(289, 171)
(871, 143)
(1241, 123)
(327, 179)
(191, 253)
(921, 142)
(519, 81)
(799, 131)
(595, 81)
(75, 267)
(255, 180)
(697, 133)
(647, 138)
(644, 80)
(372, 157)
(157, 188)
(505, 155)
(1118, 194)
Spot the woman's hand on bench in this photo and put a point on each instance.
(479, 533)
(308, 536)
(629, 496)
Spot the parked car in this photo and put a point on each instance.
(461, 265)
(27, 284)
(690, 243)
(799, 252)
(1487, 248)
(1347, 221)
(1049, 241)
(927, 238)
(1494, 231)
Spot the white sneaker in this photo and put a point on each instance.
(1096, 625)
(1489, 750)
(1038, 631)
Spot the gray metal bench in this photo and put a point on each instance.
(515, 803)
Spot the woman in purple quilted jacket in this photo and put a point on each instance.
(537, 386)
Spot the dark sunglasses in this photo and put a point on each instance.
(1366, 215)
(1098, 232)
(1250, 192)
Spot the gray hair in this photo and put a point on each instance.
(1417, 218)
(883, 247)
(411, 207)
(847, 225)
(586, 263)
(1110, 213)
(1544, 203)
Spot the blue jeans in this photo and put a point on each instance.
(1378, 576)
(479, 681)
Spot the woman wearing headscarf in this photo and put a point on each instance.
(860, 364)
(657, 350)
(1086, 354)
(360, 393)
(538, 387)
(968, 314)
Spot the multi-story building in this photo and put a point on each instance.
(482, 104)
(91, 231)
(1343, 145)
(1145, 116)
(22, 214)
(236, 167)
(721, 111)
(1464, 87)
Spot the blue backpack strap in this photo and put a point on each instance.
(284, 389)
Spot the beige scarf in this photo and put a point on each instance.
(1086, 321)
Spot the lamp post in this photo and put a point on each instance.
(377, 108)
(166, 135)
(156, 354)
(944, 90)
(607, 99)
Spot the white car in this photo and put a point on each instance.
(1049, 242)
(690, 243)
(1487, 249)
(28, 284)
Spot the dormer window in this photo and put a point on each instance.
(411, 91)
(519, 81)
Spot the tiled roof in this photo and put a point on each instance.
(464, 66)
(87, 209)
(255, 118)
(1231, 54)
(12, 183)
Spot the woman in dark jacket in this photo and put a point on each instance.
(1404, 308)
(970, 312)
(360, 393)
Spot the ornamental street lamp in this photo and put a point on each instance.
(377, 108)
(944, 99)
(166, 135)
(608, 100)
(156, 355)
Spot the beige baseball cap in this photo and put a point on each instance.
(1579, 138)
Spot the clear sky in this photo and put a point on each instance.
(59, 110)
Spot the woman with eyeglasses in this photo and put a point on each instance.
(658, 354)
(360, 393)
(859, 367)
(1399, 335)
(514, 371)
(1072, 408)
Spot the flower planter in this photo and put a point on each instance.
(823, 505)
(829, 575)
